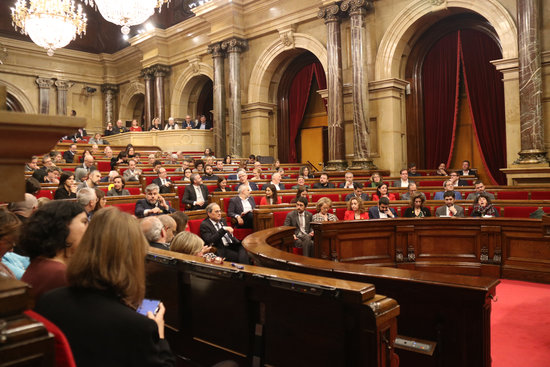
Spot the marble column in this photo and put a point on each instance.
(44, 84)
(335, 109)
(160, 71)
(219, 131)
(530, 84)
(109, 92)
(234, 47)
(62, 88)
(361, 139)
(148, 79)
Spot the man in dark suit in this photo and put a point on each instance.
(195, 195)
(243, 178)
(455, 179)
(357, 193)
(449, 209)
(209, 173)
(163, 181)
(153, 204)
(154, 231)
(349, 183)
(188, 123)
(215, 232)
(383, 210)
(203, 124)
(466, 170)
(276, 181)
(301, 219)
(323, 182)
(68, 156)
(241, 207)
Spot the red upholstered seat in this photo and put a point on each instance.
(45, 194)
(149, 179)
(340, 212)
(241, 233)
(104, 189)
(126, 207)
(430, 183)
(279, 218)
(257, 199)
(103, 166)
(512, 195)
(540, 195)
(194, 226)
(297, 251)
(136, 190)
(518, 211)
(287, 198)
(211, 188)
(333, 197)
(180, 190)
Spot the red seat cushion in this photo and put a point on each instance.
(512, 195)
(149, 179)
(103, 166)
(287, 198)
(518, 211)
(279, 218)
(45, 194)
(297, 251)
(340, 212)
(194, 226)
(540, 195)
(333, 197)
(257, 199)
(241, 233)
(134, 190)
(126, 207)
(211, 188)
(430, 183)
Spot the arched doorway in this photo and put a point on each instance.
(302, 118)
(449, 116)
(196, 98)
(136, 106)
(13, 104)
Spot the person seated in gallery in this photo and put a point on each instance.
(355, 210)
(404, 179)
(382, 210)
(106, 276)
(455, 179)
(119, 128)
(91, 182)
(382, 192)
(450, 209)
(257, 175)
(219, 166)
(300, 182)
(357, 193)
(118, 187)
(155, 233)
(131, 173)
(305, 172)
(241, 207)
(324, 208)
(276, 181)
(153, 204)
(466, 170)
(447, 186)
(301, 219)
(480, 189)
(186, 163)
(188, 123)
(208, 153)
(203, 124)
(97, 139)
(163, 181)
(155, 124)
(52, 175)
(190, 244)
(349, 183)
(108, 153)
(271, 197)
(171, 125)
(67, 187)
(221, 185)
(301, 192)
(375, 180)
(416, 207)
(323, 182)
(243, 180)
(32, 165)
(135, 126)
(109, 129)
(412, 170)
(209, 173)
(87, 197)
(251, 159)
(181, 221)
(483, 206)
(195, 195)
(411, 192)
(442, 170)
(69, 155)
(199, 166)
(10, 228)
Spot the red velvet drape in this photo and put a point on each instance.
(485, 92)
(298, 98)
(440, 83)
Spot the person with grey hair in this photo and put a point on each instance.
(171, 125)
(153, 204)
(132, 173)
(24, 209)
(447, 186)
(88, 199)
(241, 207)
(93, 180)
(243, 179)
(195, 195)
(170, 226)
(276, 181)
(154, 231)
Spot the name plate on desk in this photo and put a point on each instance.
(167, 140)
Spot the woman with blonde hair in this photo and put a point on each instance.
(189, 243)
(97, 311)
(323, 207)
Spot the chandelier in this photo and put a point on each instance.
(128, 12)
(50, 24)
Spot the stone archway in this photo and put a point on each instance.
(188, 87)
(126, 110)
(19, 96)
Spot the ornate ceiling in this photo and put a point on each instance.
(101, 36)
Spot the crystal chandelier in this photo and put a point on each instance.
(49, 23)
(128, 12)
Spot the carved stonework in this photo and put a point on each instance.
(399, 256)
(109, 88)
(286, 35)
(3, 53)
(44, 83)
(109, 91)
(234, 45)
(216, 50)
(497, 257)
(194, 65)
(437, 2)
(160, 70)
(356, 6)
(63, 85)
(330, 13)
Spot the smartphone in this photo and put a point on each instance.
(149, 305)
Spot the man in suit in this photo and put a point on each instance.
(203, 124)
(301, 219)
(404, 180)
(480, 188)
(276, 181)
(466, 170)
(195, 195)
(132, 173)
(323, 182)
(188, 123)
(241, 207)
(412, 170)
(455, 179)
(209, 173)
(163, 181)
(68, 156)
(93, 180)
(448, 186)
(411, 192)
(243, 178)
(153, 204)
(300, 182)
(349, 184)
(215, 232)
(449, 209)
(357, 193)
(383, 210)
(154, 231)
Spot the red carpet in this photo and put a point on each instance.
(520, 320)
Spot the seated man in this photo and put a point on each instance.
(357, 193)
(411, 192)
(184, 165)
(301, 219)
(154, 231)
(241, 207)
(163, 181)
(52, 175)
(412, 170)
(300, 183)
(243, 178)
(93, 180)
(323, 182)
(219, 166)
(215, 232)
(383, 210)
(118, 187)
(132, 173)
(32, 165)
(276, 181)
(404, 180)
(169, 224)
(188, 123)
(203, 124)
(455, 179)
(68, 156)
(466, 170)
(449, 209)
(480, 188)
(88, 199)
(448, 186)
(209, 173)
(195, 195)
(119, 128)
(153, 204)
(349, 184)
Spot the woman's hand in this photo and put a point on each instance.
(159, 319)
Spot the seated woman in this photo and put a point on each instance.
(228, 160)
(257, 174)
(323, 207)
(442, 170)
(382, 192)
(417, 208)
(483, 207)
(9, 234)
(356, 210)
(199, 166)
(135, 126)
(108, 129)
(50, 238)
(190, 244)
(208, 153)
(155, 125)
(106, 277)
(222, 185)
(301, 192)
(375, 180)
(97, 139)
(304, 171)
(271, 196)
(67, 187)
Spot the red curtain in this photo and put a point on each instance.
(485, 92)
(440, 83)
(298, 98)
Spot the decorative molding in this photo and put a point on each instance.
(286, 35)
(109, 88)
(216, 50)
(330, 13)
(44, 83)
(63, 84)
(353, 7)
(235, 45)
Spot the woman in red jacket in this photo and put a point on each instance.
(271, 196)
(382, 191)
(355, 210)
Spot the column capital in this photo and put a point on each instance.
(235, 45)
(356, 7)
(330, 13)
(216, 50)
(147, 73)
(159, 70)
(44, 83)
(63, 84)
(109, 88)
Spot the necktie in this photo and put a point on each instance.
(450, 213)
(225, 239)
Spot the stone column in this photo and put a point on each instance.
(62, 88)
(44, 94)
(148, 79)
(234, 47)
(530, 84)
(361, 139)
(160, 71)
(335, 108)
(219, 131)
(109, 92)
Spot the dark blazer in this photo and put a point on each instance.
(374, 212)
(108, 333)
(253, 186)
(236, 208)
(62, 193)
(143, 204)
(364, 197)
(329, 185)
(210, 178)
(442, 210)
(117, 130)
(291, 220)
(184, 124)
(355, 185)
(213, 237)
(207, 127)
(409, 213)
(68, 156)
(189, 196)
(163, 189)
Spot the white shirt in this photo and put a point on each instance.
(246, 205)
(302, 222)
(276, 185)
(225, 239)
(404, 183)
(198, 191)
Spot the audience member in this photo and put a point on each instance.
(480, 189)
(300, 182)
(412, 170)
(135, 126)
(203, 124)
(466, 170)
(382, 192)
(132, 173)
(382, 210)
(92, 181)
(209, 174)
(108, 153)
(447, 186)
(97, 139)
(276, 181)
(32, 165)
(304, 171)
(251, 159)
(227, 159)
(67, 187)
(323, 206)
(301, 219)
(483, 206)
(190, 244)
(410, 193)
(154, 232)
(243, 180)
(357, 193)
(88, 199)
(349, 183)
(171, 125)
(153, 204)
(355, 210)
(455, 179)
(163, 181)
(271, 196)
(24, 209)
(323, 182)
(449, 209)
(199, 166)
(52, 175)
(69, 155)
(110, 177)
(240, 208)
(13, 265)
(257, 172)
(375, 180)
(101, 201)
(208, 153)
(187, 175)
(184, 165)
(442, 170)
(57, 157)
(118, 187)
(172, 158)
(301, 192)
(188, 123)
(195, 195)
(219, 166)
(32, 186)
(155, 125)
(170, 226)
(404, 180)
(119, 128)
(181, 221)
(109, 130)
(222, 185)
(417, 208)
